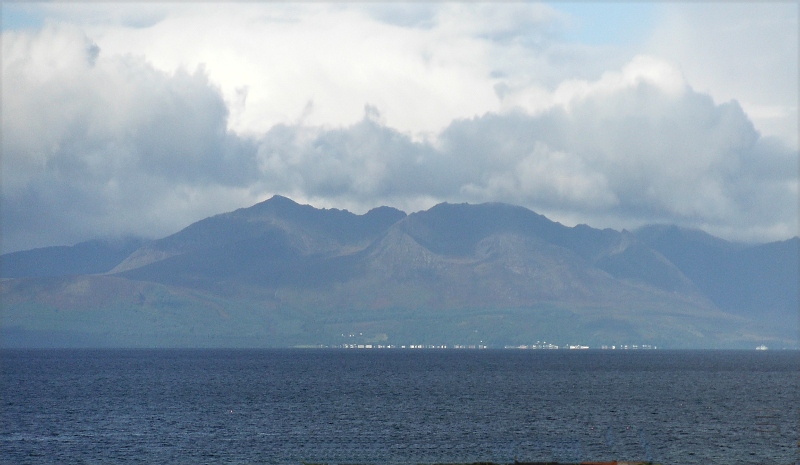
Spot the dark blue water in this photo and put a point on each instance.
(290, 406)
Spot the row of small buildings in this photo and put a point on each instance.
(536, 346)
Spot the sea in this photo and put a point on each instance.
(299, 406)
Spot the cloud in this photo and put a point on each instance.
(444, 58)
(634, 147)
(96, 145)
(454, 60)
(148, 118)
(737, 50)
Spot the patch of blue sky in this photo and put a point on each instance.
(18, 15)
(608, 23)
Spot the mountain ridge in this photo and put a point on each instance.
(302, 275)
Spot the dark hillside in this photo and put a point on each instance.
(279, 274)
(89, 257)
(302, 228)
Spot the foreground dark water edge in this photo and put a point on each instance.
(397, 407)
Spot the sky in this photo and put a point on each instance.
(136, 119)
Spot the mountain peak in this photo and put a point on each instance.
(274, 203)
(279, 199)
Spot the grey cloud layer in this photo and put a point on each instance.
(635, 156)
(96, 146)
(107, 146)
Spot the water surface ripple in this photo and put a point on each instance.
(397, 407)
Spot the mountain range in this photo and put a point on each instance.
(280, 274)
